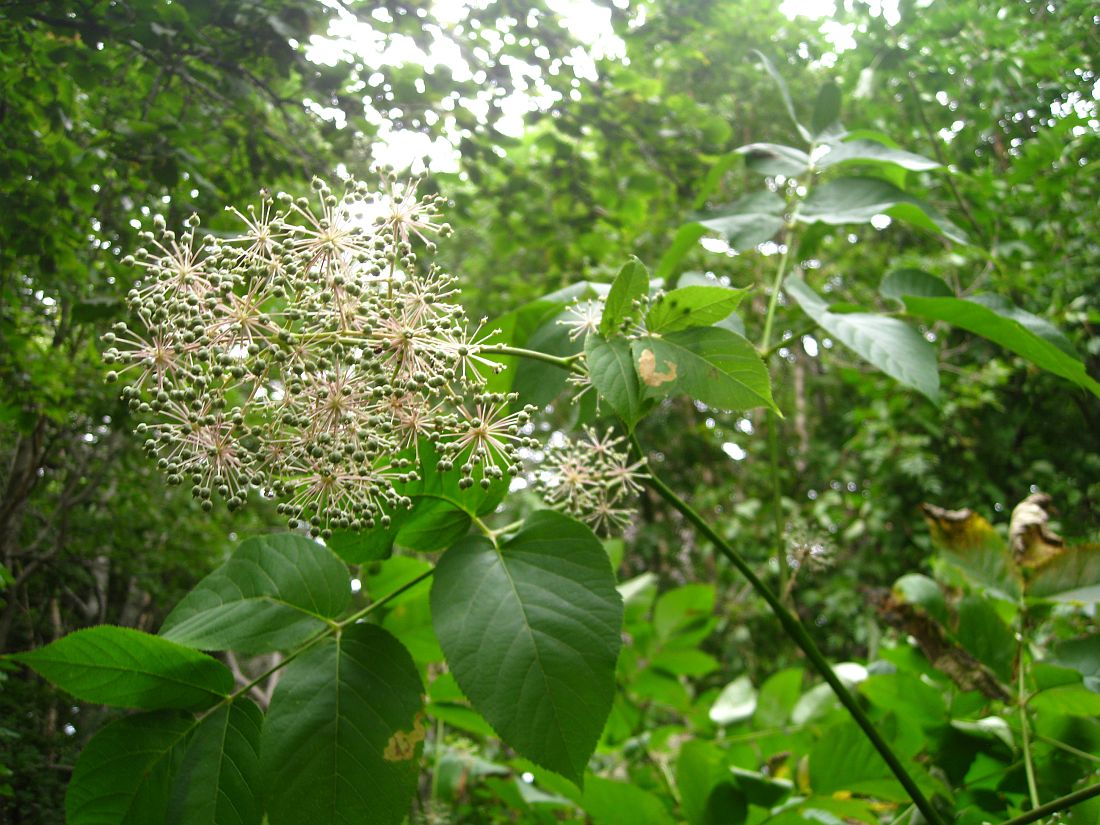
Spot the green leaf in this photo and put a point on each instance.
(907, 696)
(857, 200)
(775, 159)
(687, 236)
(778, 696)
(844, 760)
(683, 610)
(612, 803)
(218, 780)
(612, 371)
(124, 774)
(1071, 576)
(781, 84)
(690, 662)
(531, 633)
(901, 282)
(969, 542)
(747, 222)
(273, 593)
(861, 150)
(1006, 330)
(629, 285)
(887, 343)
(923, 592)
(1082, 655)
(708, 793)
(826, 108)
(982, 632)
(343, 733)
(1067, 700)
(126, 668)
(760, 789)
(692, 306)
(714, 365)
(736, 702)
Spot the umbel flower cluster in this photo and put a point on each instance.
(592, 478)
(310, 356)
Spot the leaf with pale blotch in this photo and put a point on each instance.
(650, 375)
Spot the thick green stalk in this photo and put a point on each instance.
(1062, 803)
(797, 632)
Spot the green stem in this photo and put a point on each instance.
(798, 634)
(334, 627)
(566, 363)
(1062, 803)
(1025, 725)
(772, 419)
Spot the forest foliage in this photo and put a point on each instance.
(824, 311)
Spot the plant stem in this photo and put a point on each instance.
(1025, 726)
(334, 627)
(566, 363)
(1062, 803)
(798, 633)
(772, 419)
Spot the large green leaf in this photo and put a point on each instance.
(714, 365)
(531, 633)
(844, 760)
(781, 84)
(826, 110)
(273, 592)
(901, 282)
(1007, 327)
(775, 159)
(708, 793)
(747, 222)
(861, 150)
(889, 344)
(126, 668)
(696, 305)
(1071, 576)
(124, 774)
(629, 285)
(612, 372)
(969, 542)
(857, 200)
(612, 803)
(1083, 655)
(219, 779)
(685, 239)
(342, 736)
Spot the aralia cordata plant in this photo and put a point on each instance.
(309, 355)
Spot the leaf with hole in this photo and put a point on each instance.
(711, 364)
(344, 732)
